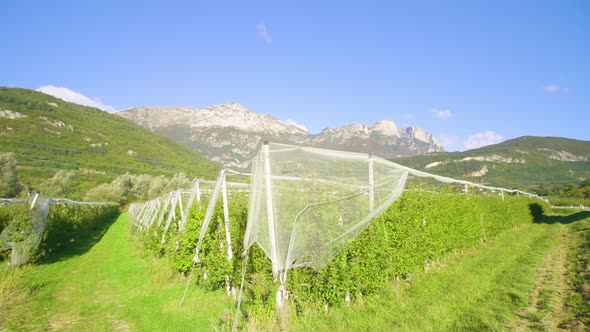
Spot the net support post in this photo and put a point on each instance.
(198, 190)
(272, 235)
(226, 217)
(34, 201)
(181, 208)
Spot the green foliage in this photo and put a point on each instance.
(579, 272)
(182, 259)
(128, 187)
(571, 190)
(6, 214)
(108, 288)
(421, 228)
(59, 185)
(540, 155)
(13, 212)
(569, 194)
(105, 193)
(418, 230)
(483, 289)
(9, 183)
(65, 224)
(51, 135)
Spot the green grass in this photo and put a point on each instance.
(480, 290)
(109, 287)
(579, 273)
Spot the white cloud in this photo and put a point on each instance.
(449, 142)
(290, 122)
(482, 139)
(75, 97)
(442, 113)
(552, 88)
(263, 32)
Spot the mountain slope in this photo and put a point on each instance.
(230, 133)
(523, 161)
(47, 134)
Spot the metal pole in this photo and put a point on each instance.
(180, 204)
(34, 201)
(198, 194)
(226, 218)
(270, 212)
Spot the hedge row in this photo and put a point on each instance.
(420, 228)
(65, 224)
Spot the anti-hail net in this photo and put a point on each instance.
(307, 203)
(24, 232)
(170, 213)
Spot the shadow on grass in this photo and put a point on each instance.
(540, 217)
(82, 244)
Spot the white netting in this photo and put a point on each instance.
(307, 203)
(24, 233)
(173, 209)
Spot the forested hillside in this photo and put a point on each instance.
(525, 162)
(46, 134)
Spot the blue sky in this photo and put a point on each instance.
(470, 72)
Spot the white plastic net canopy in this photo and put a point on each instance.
(23, 235)
(24, 232)
(307, 203)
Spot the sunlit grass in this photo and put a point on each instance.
(110, 287)
(479, 291)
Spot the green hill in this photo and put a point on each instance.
(522, 162)
(47, 134)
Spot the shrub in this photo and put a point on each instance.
(9, 183)
(58, 185)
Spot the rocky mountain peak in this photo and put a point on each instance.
(229, 133)
(417, 133)
(231, 107)
(386, 128)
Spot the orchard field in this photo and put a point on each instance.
(435, 260)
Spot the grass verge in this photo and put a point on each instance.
(578, 301)
(110, 287)
(480, 290)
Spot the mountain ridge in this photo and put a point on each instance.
(521, 161)
(229, 133)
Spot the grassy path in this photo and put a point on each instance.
(561, 297)
(112, 288)
(546, 308)
(518, 281)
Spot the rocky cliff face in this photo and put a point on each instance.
(229, 133)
